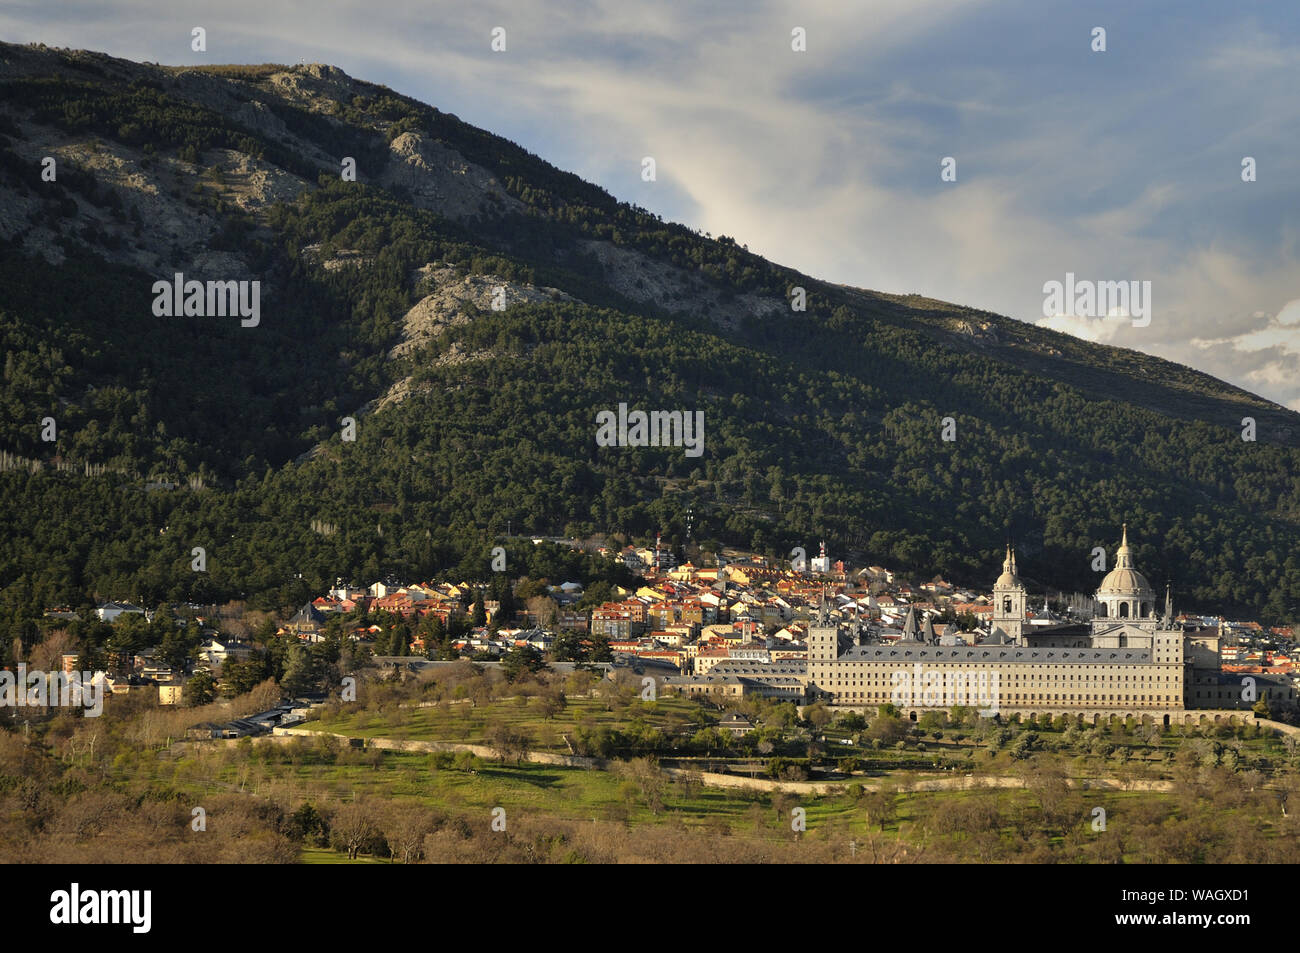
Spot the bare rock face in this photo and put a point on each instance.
(314, 86)
(439, 179)
(455, 300)
(982, 332)
(154, 226)
(258, 117)
(646, 280)
(165, 217)
(253, 184)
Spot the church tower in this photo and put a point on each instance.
(1009, 601)
(823, 637)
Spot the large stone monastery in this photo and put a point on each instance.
(1127, 660)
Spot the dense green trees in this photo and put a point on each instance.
(822, 427)
(521, 660)
(200, 689)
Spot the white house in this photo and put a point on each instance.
(109, 611)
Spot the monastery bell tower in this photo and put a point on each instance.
(1009, 600)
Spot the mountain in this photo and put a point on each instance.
(376, 302)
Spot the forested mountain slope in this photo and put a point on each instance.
(376, 304)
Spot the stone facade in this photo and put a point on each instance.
(1127, 661)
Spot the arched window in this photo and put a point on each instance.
(1123, 610)
(1006, 606)
(1101, 609)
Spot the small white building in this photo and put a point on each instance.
(109, 611)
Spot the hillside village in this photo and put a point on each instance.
(735, 627)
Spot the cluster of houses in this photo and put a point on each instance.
(739, 626)
(147, 671)
(443, 601)
(1258, 651)
(684, 621)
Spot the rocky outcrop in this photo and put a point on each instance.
(646, 280)
(439, 179)
(454, 299)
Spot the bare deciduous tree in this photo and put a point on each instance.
(353, 827)
(509, 742)
(405, 827)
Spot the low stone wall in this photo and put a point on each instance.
(959, 783)
(1278, 726)
(741, 782)
(482, 751)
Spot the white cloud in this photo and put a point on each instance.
(1097, 330)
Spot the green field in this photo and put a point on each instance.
(463, 722)
(91, 792)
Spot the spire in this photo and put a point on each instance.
(909, 625)
(1169, 605)
(1009, 579)
(1124, 555)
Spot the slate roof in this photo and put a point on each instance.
(991, 653)
(794, 667)
(308, 613)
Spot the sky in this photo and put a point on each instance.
(1122, 164)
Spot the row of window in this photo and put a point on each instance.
(889, 665)
(938, 677)
(1085, 698)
